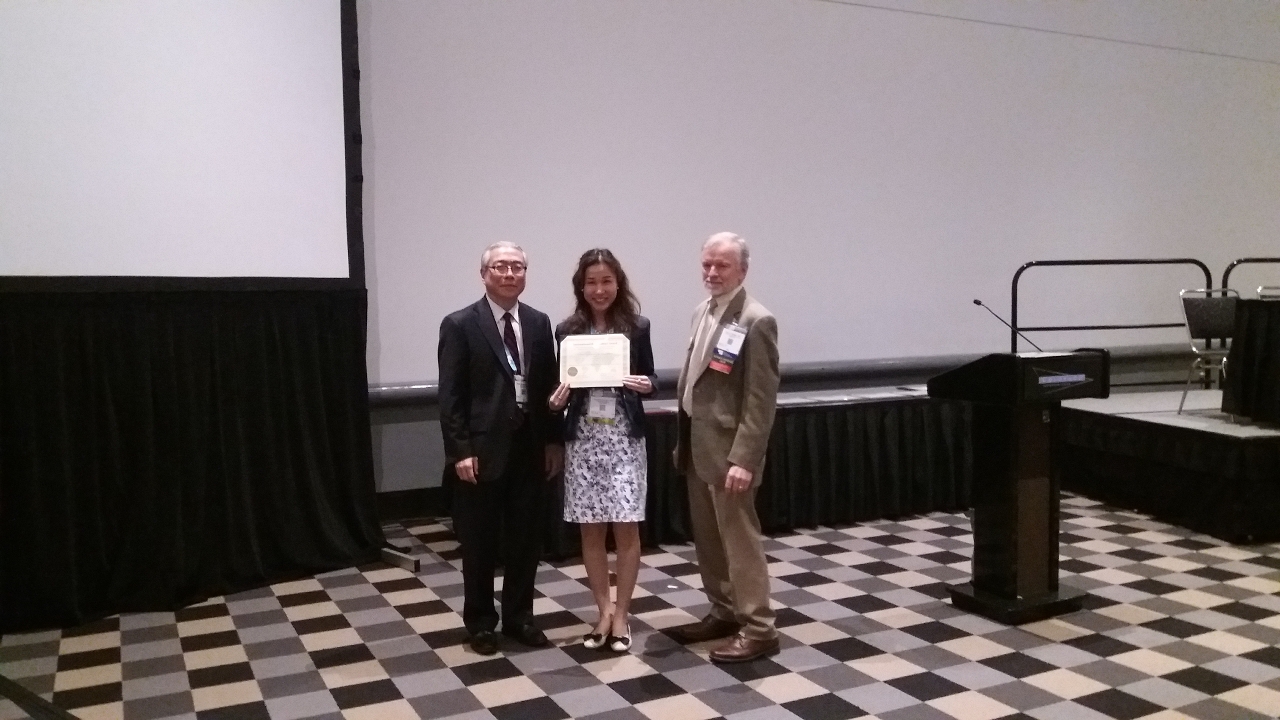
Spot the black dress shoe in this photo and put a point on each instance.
(526, 635)
(484, 642)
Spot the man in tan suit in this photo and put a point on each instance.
(728, 391)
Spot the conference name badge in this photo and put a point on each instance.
(728, 347)
(522, 390)
(601, 405)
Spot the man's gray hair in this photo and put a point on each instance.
(744, 254)
(501, 244)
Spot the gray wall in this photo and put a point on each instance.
(887, 166)
(408, 453)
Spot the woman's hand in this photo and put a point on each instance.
(639, 383)
(559, 398)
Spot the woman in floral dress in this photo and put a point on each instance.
(606, 466)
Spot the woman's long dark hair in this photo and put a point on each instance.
(621, 315)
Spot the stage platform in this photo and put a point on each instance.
(1202, 470)
(1203, 412)
(836, 457)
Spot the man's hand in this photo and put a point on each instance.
(468, 469)
(738, 479)
(639, 383)
(555, 460)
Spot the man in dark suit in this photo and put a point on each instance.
(497, 369)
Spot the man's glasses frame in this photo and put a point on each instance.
(502, 268)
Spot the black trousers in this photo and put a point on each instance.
(501, 519)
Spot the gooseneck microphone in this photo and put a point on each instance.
(994, 315)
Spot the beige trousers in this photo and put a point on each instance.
(735, 574)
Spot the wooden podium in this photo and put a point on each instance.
(1015, 398)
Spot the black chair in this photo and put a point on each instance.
(1210, 315)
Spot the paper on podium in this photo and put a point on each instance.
(595, 360)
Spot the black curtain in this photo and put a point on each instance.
(158, 448)
(1217, 484)
(1252, 386)
(827, 465)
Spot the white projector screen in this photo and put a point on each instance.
(886, 165)
(188, 138)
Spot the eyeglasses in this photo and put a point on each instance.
(502, 268)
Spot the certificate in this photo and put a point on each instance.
(595, 360)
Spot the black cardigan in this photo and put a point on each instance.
(641, 364)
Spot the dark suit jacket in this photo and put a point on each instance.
(641, 364)
(478, 411)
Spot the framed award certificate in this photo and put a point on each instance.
(595, 360)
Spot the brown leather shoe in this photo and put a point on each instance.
(708, 628)
(743, 649)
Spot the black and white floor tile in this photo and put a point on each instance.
(1176, 626)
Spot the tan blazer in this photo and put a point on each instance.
(732, 414)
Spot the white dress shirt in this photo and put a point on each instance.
(703, 333)
(498, 312)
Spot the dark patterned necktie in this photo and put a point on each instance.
(509, 339)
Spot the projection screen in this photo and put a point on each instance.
(172, 138)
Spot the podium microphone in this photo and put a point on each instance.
(993, 314)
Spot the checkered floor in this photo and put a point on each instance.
(1177, 626)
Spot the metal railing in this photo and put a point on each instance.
(1226, 274)
(1017, 276)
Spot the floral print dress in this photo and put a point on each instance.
(606, 471)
